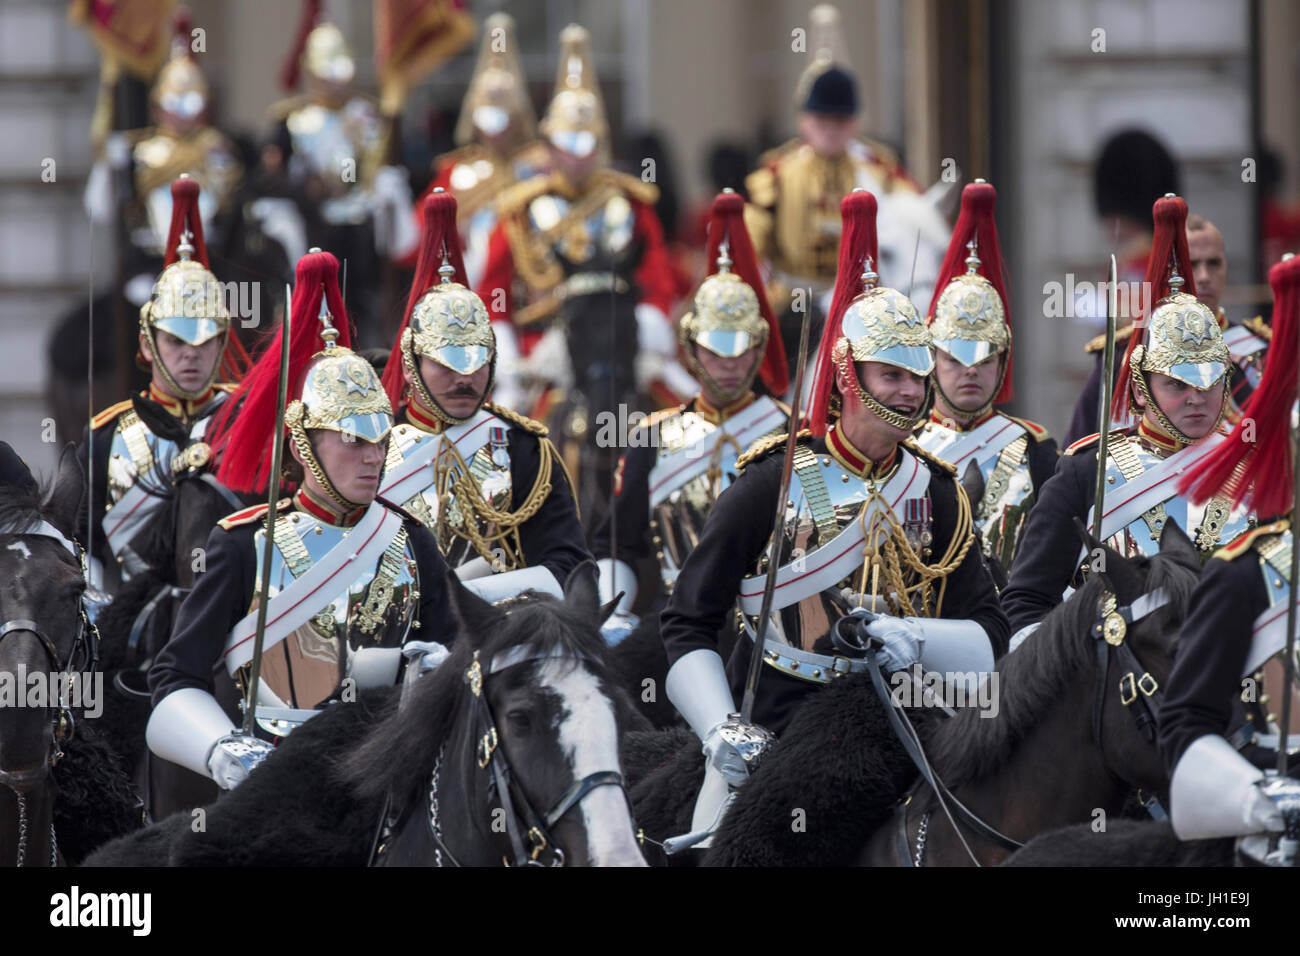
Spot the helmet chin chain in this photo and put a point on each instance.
(419, 392)
(172, 384)
(293, 418)
(875, 406)
(725, 396)
(1139, 377)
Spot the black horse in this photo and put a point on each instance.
(63, 791)
(139, 622)
(508, 751)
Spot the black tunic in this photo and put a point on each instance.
(99, 444)
(223, 592)
(1048, 556)
(1203, 691)
(730, 546)
(553, 537)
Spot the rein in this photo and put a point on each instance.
(1109, 631)
(63, 724)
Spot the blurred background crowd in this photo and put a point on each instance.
(1080, 113)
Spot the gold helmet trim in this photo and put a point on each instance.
(575, 119)
(189, 303)
(727, 321)
(498, 91)
(341, 392)
(449, 325)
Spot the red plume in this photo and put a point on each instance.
(289, 69)
(857, 243)
(185, 216)
(976, 222)
(438, 236)
(1256, 465)
(727, 223)
(245, 426)
(184, 27)
(1168, 244)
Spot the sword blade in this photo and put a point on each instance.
(774, 551)
(272, 497)
(1107, 393)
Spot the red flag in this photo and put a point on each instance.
(412, 37)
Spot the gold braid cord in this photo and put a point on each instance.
(494, 527)
(887, 552)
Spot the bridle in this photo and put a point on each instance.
(86, 642)
(528, 831)
(1109, 631)
(63, 724)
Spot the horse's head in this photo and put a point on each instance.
(41, 621)
(1138, 611)
(511, 744)
(544, 685)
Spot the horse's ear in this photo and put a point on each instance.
(1174, 542)
(63, 501)
(580, 589)
(478, 618)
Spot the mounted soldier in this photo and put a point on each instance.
(349, 578)
(486, 480)
(871, 523)
(497, 144)
(793, 214)
(970, 322)
(139, 166)
(1242, 614)
(581, 247)
(339, 144)
(1175, 379)
(135, 448)
(679, 460)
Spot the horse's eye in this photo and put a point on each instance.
(519, 722)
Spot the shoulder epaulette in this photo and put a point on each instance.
(249, 515)
(1241, 544)
(1038, 431)
(882, 153)
(660, 416)
(109, 414)
(1259, 327)
(642, 192)
(281, 109)
(1097, 343)
(461, 154)
(514, 418)
(911, 445)
(761, 186)
(1083, 443)
(764, 445)
(227, 387)
(515, 198)
(777, 153)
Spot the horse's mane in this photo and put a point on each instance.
(1041, 672)
(22, 506)
(396, 755)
